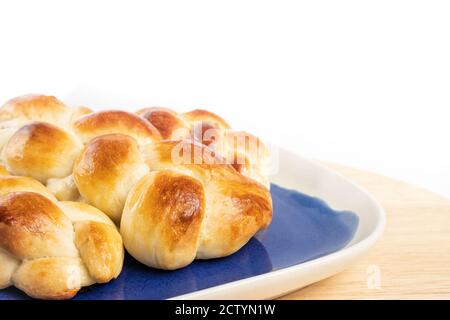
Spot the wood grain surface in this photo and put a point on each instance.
(412, 258)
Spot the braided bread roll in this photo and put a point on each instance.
(50, 249)
(245, 152)
(179, 212)
(179, 185)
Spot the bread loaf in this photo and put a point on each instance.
(180, 186)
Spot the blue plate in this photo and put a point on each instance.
(303, 228)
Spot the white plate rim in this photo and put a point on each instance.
(240, 289)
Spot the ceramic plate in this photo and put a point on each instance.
(321, 223)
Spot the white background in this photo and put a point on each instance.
(364, 83)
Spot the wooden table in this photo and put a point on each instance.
(412, 258)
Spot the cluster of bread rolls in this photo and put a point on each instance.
(50, 248)
(177, 186)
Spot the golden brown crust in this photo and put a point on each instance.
(179, 199)
(54, 278)
(41, 150)
(199, 115)
(177, 154)
(111, 162)
(41, 244)
(162, 219)
(10, 184)
(32, 226)
(245, 152)
(114, 121)
(3, 171)
(169, 124)
(79, 211)
(100, 247)
(42, 240)
(35, 108)
(236, 206)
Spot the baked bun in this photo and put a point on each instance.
(162, 219)
(10, 184)
(113, 121)
(28, 108)
(35, 107)
(244, 151)
(169, 124)
(41, 150)
(106, 170)
(182, 211)
(182, 186)
(51, 249)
